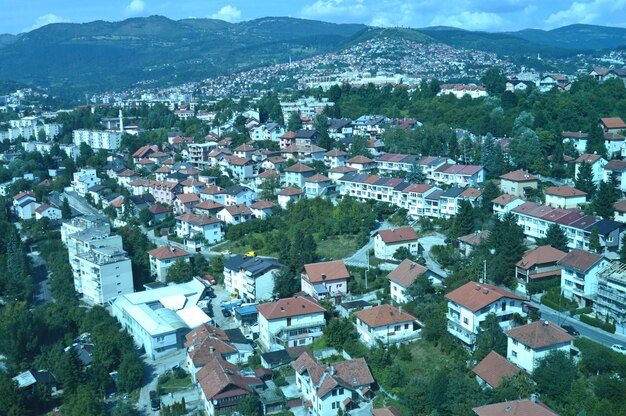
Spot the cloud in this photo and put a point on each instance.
(228, 13)
(587, 12)
(470, 20)
(46, 19)
(135, 7)
(325, 8)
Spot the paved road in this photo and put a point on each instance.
(359, 259)
(152, 371)
(41, 292)
(427, 243)
(591, 332)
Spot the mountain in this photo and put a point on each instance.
(577, 36)
(109, 55)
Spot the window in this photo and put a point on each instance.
(334, 393)
(514, 342)
(465, 321)
(397, 328)
(514, 354)
(288, 321)
(526, 347)
(512, 303)
(340, 390)
(406, 326)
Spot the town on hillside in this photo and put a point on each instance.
(361, 244)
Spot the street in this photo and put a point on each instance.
(427, 242)
(41, 286)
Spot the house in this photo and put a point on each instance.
(307, 137)
(615, 170)
(610, 301)
(84, 179)
(235, 214)
(386, 411)
(262, 209)
(505, 203)
(361, 163)
(296, 174)
(612, 124)
(335, 158)
(159, 212)
(290, 322)
(337, 173)
(287, 195)
(213, 193)
(335, 388)
(162, 258)
(158, 319)
(185, 203)
(24, 205)
(577, 138)
(252, 278)
(192, 186)
(326, 279)
(469, 242)
(41, 379)
(318, 185)
(48, 211)
(198, 230)
(522, 407)
(241, 168)
(238, 195)
(493, 369)
(303, 153)
(620, 211)
(460, 175)
(470, 304)
(387, 324)
(387, 242)
(538, 265)
(528, 344)
(597, 163)
(401, 279)
(518, 183)
(579, 275)
(564, 197)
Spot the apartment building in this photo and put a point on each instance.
(252, 278)
(97, 139)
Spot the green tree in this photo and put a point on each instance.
(584, 179)
(463, 222)
(294, 123)
(402, 253)
(622, 250)
(338, 331)
(86, 401)
(130, 372)
(124, 408)
(490, 338)
(248, 406)
(604, 199)
(416, 174)
(66, 211)
(269, 186)
(13, 401)
(200, 265)
(359, 147)
(285, 283)
(494, 81)
(594, 241)
(520, 385)
(595, 141)
(490, 192)
(180, 272)
(555, 237)
(507, 240)
(555, 374)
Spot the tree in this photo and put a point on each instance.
(200, 265)
(507, 239)
(520, 385)
(66, 211)
(338, 331)
(294, 123)
(584, 179)
(555, 374)
(555, 237)
(130, 372)
(248, 406)
(285, 284)
(416, 174)
(463, 222)
(86, 401)
(124, 408)
(494, 81)
(490, 192)
(622, 250)
(594, 241)
(13, 401)
(180, 272)
(595, 141)
(607, 195)
(269, 186)
(402, 253)
(359, 147)
(490, 338)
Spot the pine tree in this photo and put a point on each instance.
(490, 192)
(604, 199)
(555, 237)
(595, 141)
(594, 240)
(507, 239)
(463, 222)
(622, 250)
(66, 211)
(584, 179)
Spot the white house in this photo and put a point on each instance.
(317, 185)
(238, 195)
(287, 195)
(196, 229)
(98, 139)
(85, 179)
(564, 197)
(579, 275)
(321, 280)
(251, 277)
(290, 322)
(24, 205)
(505, 203)
(48, 211)
(387, 324)
(402, 277)
(235, 214)
(470, 304)
(297, 173)
(616, 168)
(332, 389)
(597, 163)
(387, 242)
(528, 344)
(158, 319)
(162, 258)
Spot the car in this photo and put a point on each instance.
(250, 254)
(571, 330)
(227, 252)
(153, 395)
(155, 404)
(226, 313)
(618, 348)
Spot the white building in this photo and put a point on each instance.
(321, 280)
(103, 274)
(85, 179)
(196, 230)
(402, 277)
(528, 344)
(159, 319)
(387, 324)
(597, 163)
(470, 304)
(290, 322)
(98, 139)
(387, 242)
(47, 211)
(162, 258)
(579, 275)
(564, 197)
(251, 277)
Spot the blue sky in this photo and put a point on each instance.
(492, 15)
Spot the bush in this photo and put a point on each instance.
(598, 323)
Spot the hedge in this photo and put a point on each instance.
(598, 323)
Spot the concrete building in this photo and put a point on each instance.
(387, 324)
(387, 242)
(528, 344)
(98, 139)
(162, 259)
(102, 274)
(401, 279)
(85, 179)
(326, 279)
(564, 197)
(252, 278)
(579, 275)
(518, 183)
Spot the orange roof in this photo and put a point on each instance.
(299, 168)
(620, 205)
(168, 252)
(406, 273)
(397, 235)
(504, 199)
(386, 411)
(188, 198)
(197, 219)
(289, 192)
(525, 407)
(326, 271)
(494, 368)
(540, 334)
(613, 123)
(519, 175)
(475, 296)
(288, 307)
(564, 191)
(360, 160)
(588, 158)
(540, 255)
(383, 315)
(317, 178)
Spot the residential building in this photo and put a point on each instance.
(237, 195)
(461, 90)
(387, 324)
(296, 174)
(235, 214)
(162, 258)
(528, 344)
(326, 279)
(158, 319)
(597, 163)
(252, 278)
(564, 197)
(335, 158)
(612, 124)
(185, 203)
(361, 163)
(242, 168)
(518, 183)
(579, 275)
(335, 388)
(577, 138)
(318, 185)
(611, 295)
(24, 205)
(459, 175)
(262, 209)
(505, 203)
(47, 211)
(467, 243)
(98, 139)
(290, 322)
(287, 195)
(85, 179)
(615, 170)
(401, 279)
(470, 304)
(520, 407)
(538, 265)
(620, 211)
(102, 274)
(387, 242)
(493, 369)
(198, 230)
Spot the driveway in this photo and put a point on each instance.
(153, 369)
(359, 259)
(41, 292)
(427, 243)
(221, 296)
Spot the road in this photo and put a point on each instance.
(427, 242)
(359, 259)
(591, 332)
(152, 370)
(41, 286)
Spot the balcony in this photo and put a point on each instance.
(461, 333)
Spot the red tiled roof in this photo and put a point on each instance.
(620, 205)
(263, 205)
(494, 368)
(289, 307)
(317, 178)
(588, 158)
(613, 123)
(406, 273)
(188, 198)
(564, 191)
(383, 315)
(540, 255)
(300, 168)
(326, 271)
(525, 407)
(475, 296)
(540, 334)
(580, 260)
(197, 219)
(289, 192)
(475, 238)
(519, 175)
(396, 235)
(168, 252)
(386, 411)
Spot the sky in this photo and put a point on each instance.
(17, 16)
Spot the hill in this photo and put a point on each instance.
(577, 36)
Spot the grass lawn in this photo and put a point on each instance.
(337, 247)
(174, 384)
(238, 247)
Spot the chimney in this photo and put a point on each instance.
(212, 349)
(400, 309)
(533, 397)
(477, 287)
(546, 323)
(485, 290)
(331, 370)
(323, 276)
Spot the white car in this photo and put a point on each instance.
(618, 348)
(227, 252)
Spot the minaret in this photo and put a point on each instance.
(121, 122)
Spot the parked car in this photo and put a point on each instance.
(155, 402)
(212, 294)
(227, 252)
(250, 254)
(571, 330)
(618, 348)
(226, 313)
